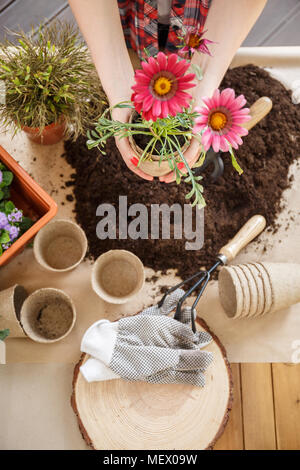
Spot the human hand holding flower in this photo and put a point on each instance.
(123, 115)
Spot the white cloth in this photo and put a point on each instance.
(99, 341)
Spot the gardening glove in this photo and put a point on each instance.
(150, 346)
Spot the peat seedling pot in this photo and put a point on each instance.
(48, 315)
(118, 276)
(35, 203)
(60, 246)
(152, 166)
(11, 301)
(52, 134)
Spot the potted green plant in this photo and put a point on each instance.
(51, 85)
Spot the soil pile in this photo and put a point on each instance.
(267, 152)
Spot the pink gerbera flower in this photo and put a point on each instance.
(193, 41)
(160, 86)
(221, 120)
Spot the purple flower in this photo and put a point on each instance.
(15, 216)
(1, 177)
(13, 232)
(5, 246)
(3, 220)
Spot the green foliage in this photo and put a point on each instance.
(234, 161)
(164, 132)
(48, 75)
(7, 178)
(4, 334)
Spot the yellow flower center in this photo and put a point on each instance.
(217, 121)
(162, 85)
(194, 40)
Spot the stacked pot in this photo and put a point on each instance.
(255, 289)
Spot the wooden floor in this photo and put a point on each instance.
(266, 410)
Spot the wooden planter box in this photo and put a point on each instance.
(35, 203)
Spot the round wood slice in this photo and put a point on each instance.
(117, 414)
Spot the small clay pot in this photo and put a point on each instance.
(118, 276)
(60, 246)
(51, 134)
(11, 301)
(153, 166)
(48, 315)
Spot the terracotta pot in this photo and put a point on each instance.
(153, 166)
(51, 134)
(32, 199)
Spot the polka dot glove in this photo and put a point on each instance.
(150, 346)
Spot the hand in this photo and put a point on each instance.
(123, 145)
(191, 155)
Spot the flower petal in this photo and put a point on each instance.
(224, 145)
(216, 142)
(238, 103)
(148, 101)
(162, 60)
(164, 109)
(216, 98)
(227, 96)
(206, 139)
(156, 108)
(172, 60)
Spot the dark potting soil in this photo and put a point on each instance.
(267, 152)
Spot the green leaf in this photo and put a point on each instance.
(6, 192)
(4, 237)
(235, 162)
(1, 195)
(200, 160)
(25, 224)
(6, 68)
(22, 44)
(4, 334)
(9, 207)
(196, 69)
(7, 177)
(52, 107)
(120, 105)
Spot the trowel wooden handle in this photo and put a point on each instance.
(245, 235)
(258, 110)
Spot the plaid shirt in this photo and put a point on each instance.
(139, 22)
